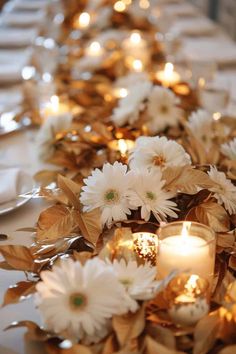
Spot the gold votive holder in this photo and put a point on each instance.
(186, 247)
(122, 148)
(145, 245)
(187, 299)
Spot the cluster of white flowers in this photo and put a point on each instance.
(229, 149)
(48, 130)
(117, 190)
(201, 125)
(160, 103)
(79, 300)
(224, 191)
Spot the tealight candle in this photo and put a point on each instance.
(54, 108)
(136, 47)
(136, 65)
(94, 50)
(83, 21)
(123, 146)
(168, 77)
(188, 247)
(187, 297)
(145, 246)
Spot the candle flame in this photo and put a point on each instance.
(54, 103)
(137, 65)
(120, 6)
(185, 230)
(84, 20)
(122, 146)
(135, 38)
(168, 70)
(95, 46)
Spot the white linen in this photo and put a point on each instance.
(17, 37)
(25, 5)
(20, 56)
(9, 184)
(193, 27)
(10, 98)
(180, 10)
(219, 50)
(22, 18)
(10, 72)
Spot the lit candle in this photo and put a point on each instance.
(136, 65)
(136, 48)
(187, 297)
(168, 77)
(123, 146)
(54, 108)
(145, 246)
(120, 92)
(188, 247)
(83, 21)
(94, 50)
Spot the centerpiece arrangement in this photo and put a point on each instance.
(136, 254)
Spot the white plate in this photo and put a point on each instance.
(26, 185)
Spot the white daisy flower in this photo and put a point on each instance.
(162, 109)
(157, 153)
(138, 280)
(79, 300)
(201, 125)
(130, 106)
(47, 132)
(106, 190)
(147, 192)
(225, 191)
(229, 149)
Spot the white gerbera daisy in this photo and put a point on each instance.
(225, 191)
(229, 149)
(201, 125)
(47, 132)
(78, 299)
(106, 190)
(158, 153)
(147, 192)
(138, 280)
(130, 106)
(162, 109)
(131, 80)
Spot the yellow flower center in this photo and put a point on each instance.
(164, 108)
(159, 160)
(111, 196)
(78, 301)
(150, 195)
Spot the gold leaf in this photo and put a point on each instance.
(16, 292)
(71, 189)
(82, 257)
(18, 257)
(55, 222)
(34, 332)
(213, 215)
(129, 327)
(225, 240)
(230, 349)
(163, 335)
(90, 225)
(232, 262)
(205, 334)
(153, 347)
(109, 345)
(186, 179)
(46, 177)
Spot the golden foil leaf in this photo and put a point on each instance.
(18, 292)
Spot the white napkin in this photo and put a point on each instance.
(184, 9)
(22, 18)
(199, 26)
(219, 50)
(25, 5)
(16, 37)
(10, 72)
(20, 56)
(9, 186)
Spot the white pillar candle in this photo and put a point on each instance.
(168, 77)
(54, 108)
(186, 252)
(136, 47)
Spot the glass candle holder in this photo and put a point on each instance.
(188, 247)
(145, 245)
(187, 298)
